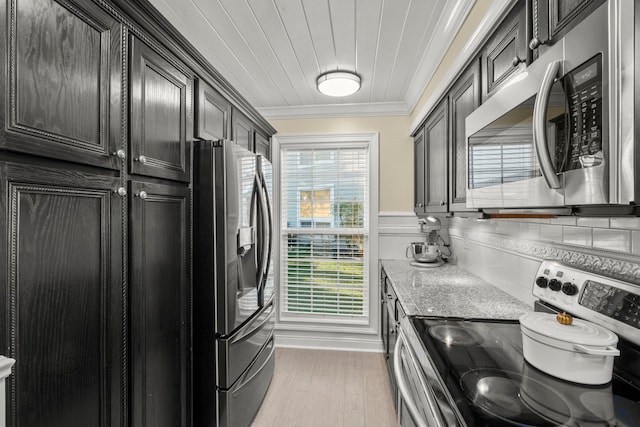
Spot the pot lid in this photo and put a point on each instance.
(579, 332)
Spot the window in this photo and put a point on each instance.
(315, 208)
(324, 224)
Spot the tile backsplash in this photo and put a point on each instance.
(507, 252)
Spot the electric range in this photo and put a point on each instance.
(479, 377)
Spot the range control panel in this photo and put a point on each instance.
(609, 302)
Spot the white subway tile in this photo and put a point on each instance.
(551, 233)
(635, 242)
(626, 223)
(564, 220)
(615, 240)
(577, 236)
(593, 222)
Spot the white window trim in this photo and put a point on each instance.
(320, 326)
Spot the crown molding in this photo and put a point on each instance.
(336, 110)
(445, 32)
(496, 12)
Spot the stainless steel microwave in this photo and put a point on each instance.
(561, 132)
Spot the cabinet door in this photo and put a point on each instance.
(61, 258)
(160, 107)
(263, 145)
(419, 172)
(464, 97)
(242, 130)
(551, 19)
(505, 52)
(61, 81)
(436, 131)
(160, 297)
(213, 113)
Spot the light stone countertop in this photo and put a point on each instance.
(449, 291)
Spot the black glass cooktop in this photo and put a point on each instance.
(481, 364)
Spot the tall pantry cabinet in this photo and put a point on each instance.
(94, 219)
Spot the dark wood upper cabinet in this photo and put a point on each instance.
(213, 113)
(506, 50)
(160, 300)
(552, 19)
(263, 145)
(436, 130)
(62, 293)
(61, 81)
(464, 97)
(419, 172)
(242, 130)
(160, 115)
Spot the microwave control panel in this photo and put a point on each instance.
(583, 88)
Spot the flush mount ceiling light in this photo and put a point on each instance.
(338, 83)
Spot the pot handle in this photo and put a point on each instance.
(406, 252)
(607, 351)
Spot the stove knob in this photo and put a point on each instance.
(542, 282)
(555, 285)
(569, 288)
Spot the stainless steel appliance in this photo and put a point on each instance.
(562, 132)
(233, 304)
(472, 372)
(433, 251)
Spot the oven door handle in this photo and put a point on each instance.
(404, 389)
(539, 126)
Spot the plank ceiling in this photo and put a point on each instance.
(272, 51)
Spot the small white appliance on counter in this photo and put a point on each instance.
(479, 372)
(561, 133)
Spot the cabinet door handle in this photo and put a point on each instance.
(121, 154)
(143, 195)
(516, 60)
(142, 160)
(442, 202)
(536, 43)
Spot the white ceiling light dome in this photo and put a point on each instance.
(338, 83)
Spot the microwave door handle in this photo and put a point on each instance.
(539, 126)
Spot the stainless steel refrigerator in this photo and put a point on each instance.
(233, 305)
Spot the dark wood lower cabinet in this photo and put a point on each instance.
(160, 301)
(61, 257)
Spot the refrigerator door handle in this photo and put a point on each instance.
(263, 246)
(267, 206)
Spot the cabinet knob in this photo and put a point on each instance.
(442, 202)
(143, 195)
(121, 191)
(419, 205)
(121, 154)
(392, 331)
(142, 160)
(516, 60)
(535, 43)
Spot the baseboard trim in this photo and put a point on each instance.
(318, 342)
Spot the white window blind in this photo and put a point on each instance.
(324, 230)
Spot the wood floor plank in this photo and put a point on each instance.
(328, 388)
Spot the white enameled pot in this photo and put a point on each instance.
(582, 352)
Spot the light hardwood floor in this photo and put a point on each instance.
(328, 388)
